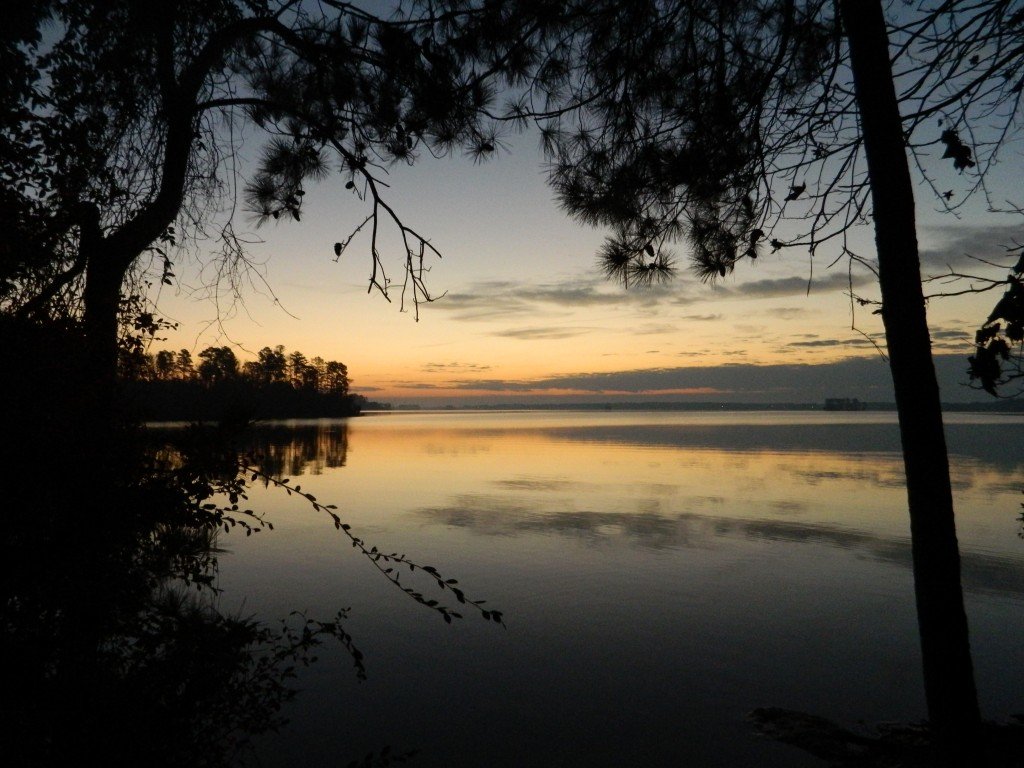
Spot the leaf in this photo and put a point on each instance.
(956, 150)
(337, 249)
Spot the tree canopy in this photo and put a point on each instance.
(121, 135)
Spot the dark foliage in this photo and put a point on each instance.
(119, 131)
(999, 343)
(112, 645)
(109, 650)
(677, 114)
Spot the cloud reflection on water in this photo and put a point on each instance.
(672, 481)
(501, 516)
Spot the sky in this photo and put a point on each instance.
(523, 315)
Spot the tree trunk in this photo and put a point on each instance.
(949, 678)
(101, 300)
(104, 277)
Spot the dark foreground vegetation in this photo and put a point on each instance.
(113, 645)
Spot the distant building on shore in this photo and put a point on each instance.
(844, 404)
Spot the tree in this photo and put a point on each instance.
(335, 380)
(297, 368)
(218, 365)
(184, 366)
(272, 364)
(319, 369)
(677, 122)
(118, 142)
(164, 365)
(310, 381)
(949, 680)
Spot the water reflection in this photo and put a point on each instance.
(281, 448)
(662, 576)
(982, 572)
(296, 448)
(114, 645)
(855, 466)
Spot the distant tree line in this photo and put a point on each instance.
(214, 384)
(219, 364)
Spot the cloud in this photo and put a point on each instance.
(420, 385)
(798, 286)
(851, 342)
(959, 242)
(952, 340)
(963, 345)
(952, 334)
(502, 299)
(535, 334)
(651, 329)
(703, 318)
(454, 367)
(507, 301)
(788, 313)
(866, 378)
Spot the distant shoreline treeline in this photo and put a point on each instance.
(172, 386)
(999, 406)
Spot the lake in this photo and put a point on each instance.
(660, 575)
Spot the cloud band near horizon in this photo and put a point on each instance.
(866, 378)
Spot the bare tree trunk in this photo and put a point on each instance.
(101, 300)
(948, 674)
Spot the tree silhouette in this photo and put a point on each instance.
(336, 378)
(278, 384)
(297, 365)
(998, 360)
(272, 364)
(219, 364)
(119, 140)
(164, 364)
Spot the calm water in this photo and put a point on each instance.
(661, 575)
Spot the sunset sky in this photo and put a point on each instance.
(527, 317)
